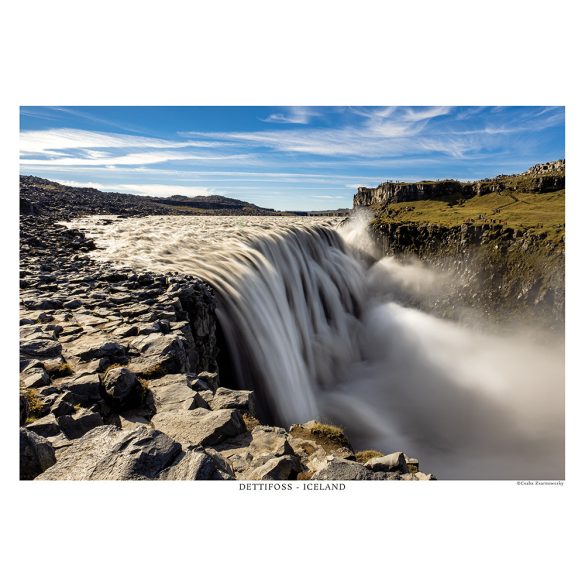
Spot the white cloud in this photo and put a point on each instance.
(382, 131)
(139, 158)
(293, 115)
(51, 141)
(418, 114)
(154, 190)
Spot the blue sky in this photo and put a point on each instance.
(294, 158)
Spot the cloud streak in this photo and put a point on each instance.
(293, 115)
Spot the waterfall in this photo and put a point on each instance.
(289, 309)
(321, 328)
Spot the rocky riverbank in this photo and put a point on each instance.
(119, 380)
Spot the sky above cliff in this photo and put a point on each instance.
(294, 158)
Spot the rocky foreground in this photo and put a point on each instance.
(119, 381)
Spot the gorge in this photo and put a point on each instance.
(441, 340)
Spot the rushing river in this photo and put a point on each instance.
(323, 329)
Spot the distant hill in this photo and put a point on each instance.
(41, 196)
(214, 202)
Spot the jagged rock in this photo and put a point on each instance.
(41, 348)
(199, 426)
(45, 426)
(131, 421)
(36, 454)
(30, 365)
(312, 456)
(36, 378)
(94, 366)
(273, 440)
(206, 395)
(120, 384)
(126, 331)
(86, 387)
(343, 470)
(64, 404)
(199, 465)
(73, 304)
(240, 399)
(59, 442)
(277, 468)
(392, 462)
(76, 425)
(253, 449)
(47, 390)
(160, 354)
(91, 348)
(107, 453)
(173, 392)
(412, 463)
(210, 379)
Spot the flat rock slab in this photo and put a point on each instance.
(45, 426)
(277, 468)
(108, 453)
(76, 425)
(199, 426)
(41, 348)
(240, 399)
(91, 347)
(173, 392)
(86, 387)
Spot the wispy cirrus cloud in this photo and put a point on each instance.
(69, 147)
(150, 189)
(293, 115)
(57, 139)
(395, 131)
(418, 114)
(140, 158)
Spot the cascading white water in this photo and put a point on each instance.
(314, 324)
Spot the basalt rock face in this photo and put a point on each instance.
(542, 178)
(501, 271)
(399, 192)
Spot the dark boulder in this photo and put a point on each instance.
(36, 454)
